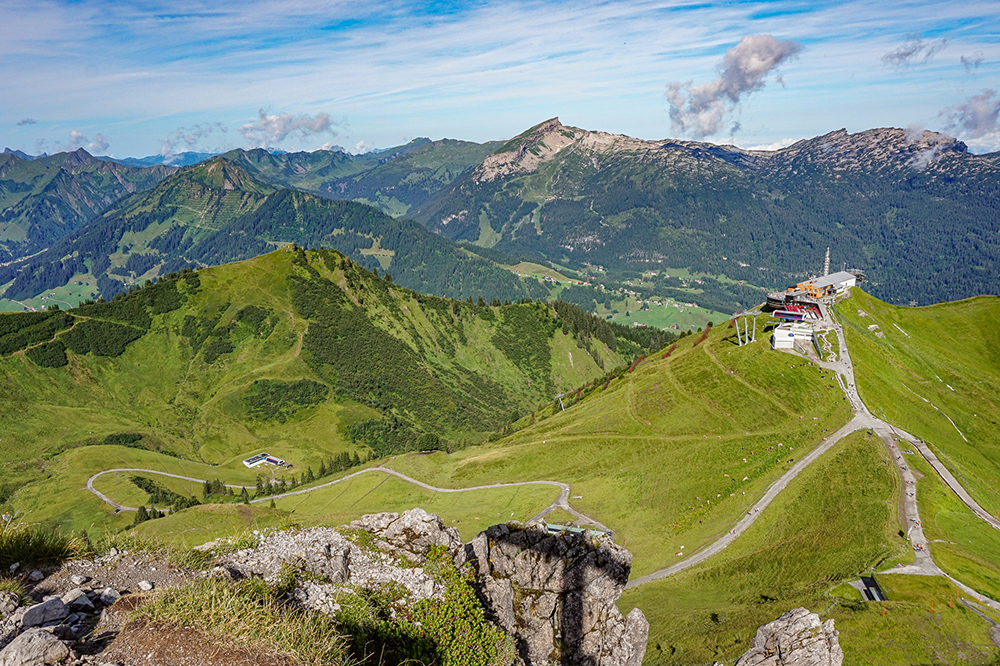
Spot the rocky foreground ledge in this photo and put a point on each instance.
(553, 594)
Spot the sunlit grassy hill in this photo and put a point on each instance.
(298, 353)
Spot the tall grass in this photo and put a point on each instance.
(30, 544)
(249, 613)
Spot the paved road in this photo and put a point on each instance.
(562, 502)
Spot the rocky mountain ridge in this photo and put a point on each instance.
(908, 206)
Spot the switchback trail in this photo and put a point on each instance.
(562, 502)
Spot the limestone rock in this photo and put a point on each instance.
(8, 604)
(414, 532)
(77, 600)
(34, 647)
(329, 554)
(797, 638)
(45, 612)
(36, 576)
(556, 594)
(109, 596)
(146, 585)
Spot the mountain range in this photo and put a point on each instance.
(915, 211)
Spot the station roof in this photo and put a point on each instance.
(834, 279)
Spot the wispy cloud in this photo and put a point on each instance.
(481, 70)
(971, 63)
(913, 51)
(271, 129)
(188, 138)
(26, 121)
(700, 110)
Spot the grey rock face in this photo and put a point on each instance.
(34, 647)
(413, 532)
(109, 596)
(556, 594)
(797, 638)
(45, 612)
(327, 553)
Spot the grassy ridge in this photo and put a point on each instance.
(658, 454)
(824, 529)
(934, 364)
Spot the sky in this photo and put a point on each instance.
(138, 77)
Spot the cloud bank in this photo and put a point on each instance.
(700, 111)
(26, 121)
(977, 117)
(914, 51)
(271, 129)
(98, 144)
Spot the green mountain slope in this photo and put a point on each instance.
(44, 199)
(217, 212)
(302, 354)
(394, 180)
(915, 212)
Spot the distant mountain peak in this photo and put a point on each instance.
(18, 153)
(525, 152)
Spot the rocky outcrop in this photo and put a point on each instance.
(797, 638)
(411, 534)
(326, 553)
(556, 594)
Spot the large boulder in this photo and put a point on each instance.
(556, 594)
(797, 638)
(48, 611)
(34, 647)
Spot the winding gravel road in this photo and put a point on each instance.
(562, 502)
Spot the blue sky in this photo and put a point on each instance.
(145, 77)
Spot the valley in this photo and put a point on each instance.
(693, 455)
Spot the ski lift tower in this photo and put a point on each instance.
(746, 336)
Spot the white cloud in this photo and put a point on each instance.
(98, 144)
(777, 145)
(188, 138)
(271, 129)
(699, 110)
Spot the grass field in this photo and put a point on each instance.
(163, 389)
(469, 512)
(824, 530)
(936, 374)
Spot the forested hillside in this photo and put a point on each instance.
(44, 199)
(216, 212)
(916, 212)
(301, 353)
